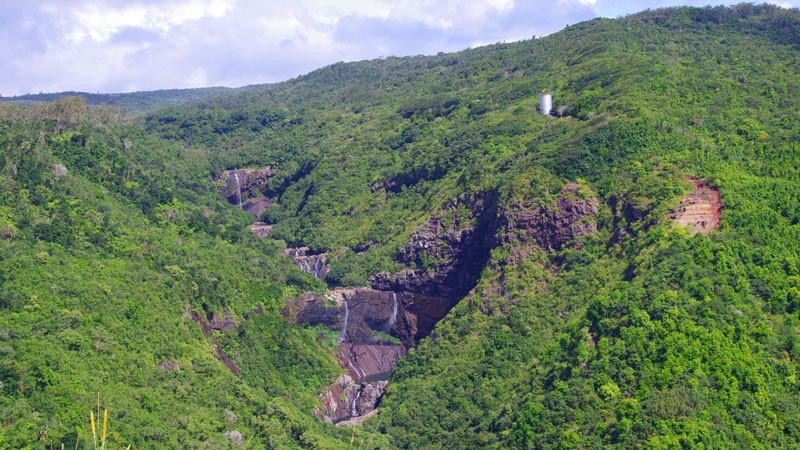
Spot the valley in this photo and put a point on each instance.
(406, 253)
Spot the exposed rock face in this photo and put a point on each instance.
(215, 323)
(261, 229)
(314, 264)
(313, 309)
(357, 314)
(553, 227)
(368, 359)
(246, 187)
(346, 399)
(445, 258)
(336, 400)
(701, 209)
(222, 321)
(257, 206)
(367, 397)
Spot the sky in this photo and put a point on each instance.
(110, 46)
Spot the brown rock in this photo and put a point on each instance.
(701, 210)
(550, 228)
(246, 187)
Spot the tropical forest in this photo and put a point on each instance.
(579, 241)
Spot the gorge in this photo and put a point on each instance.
(420, 253)
(378, 324)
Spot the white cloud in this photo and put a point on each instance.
(111, 45)
(120, 45)
(100, 22)
(198, 78)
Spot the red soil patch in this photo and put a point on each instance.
(701, 209)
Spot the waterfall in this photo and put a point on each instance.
(393, 317)
(238, 188)
(317, 266)
(358, 373)
(342, 336)
(353, 410)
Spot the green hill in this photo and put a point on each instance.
(135, 102)
(585, 318)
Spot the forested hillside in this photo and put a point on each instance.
(535, 270)
(134, 102)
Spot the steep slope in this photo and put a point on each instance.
(129, 283)
(542, 288)
(638, 336)
(134, 102)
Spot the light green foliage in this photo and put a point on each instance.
(644, 336)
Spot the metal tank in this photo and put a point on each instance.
(546, 103)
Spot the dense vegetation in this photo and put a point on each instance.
(112, 241)
(134, 102)
(646, 336)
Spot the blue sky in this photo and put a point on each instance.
(133, 45)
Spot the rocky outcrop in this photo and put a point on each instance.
(336, 400)
(346, 399)
(445, 258)
(701, 210)
(313, 264)
(370, 362)
(367, 398)
(448, 253)
(212, 323)
(261, 229)
(367, 357)
(311, 308)
(549, 227)
(245, 187)
(359, 315)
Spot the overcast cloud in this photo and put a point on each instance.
(133, 45)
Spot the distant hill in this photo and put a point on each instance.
(138, 102)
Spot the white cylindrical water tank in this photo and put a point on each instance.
(546, 103)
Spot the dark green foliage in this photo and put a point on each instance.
(641, 337)
(135, 102)
(109, 270)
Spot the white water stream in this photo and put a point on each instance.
(342, 336)
(353, 409)
(393, 317)
(238, 189)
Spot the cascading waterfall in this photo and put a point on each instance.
(393, 317)
(353, 409)
(238, 189)
(317, 267)
(344, 324)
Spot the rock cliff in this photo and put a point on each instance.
(444, 260)
(245, 187)
(448, 253)
(313, 264)
(549, 227)
(363, 318)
